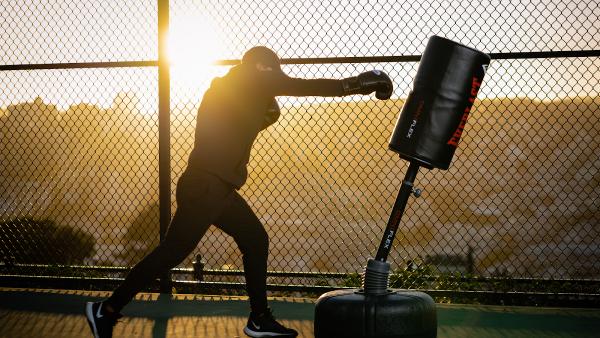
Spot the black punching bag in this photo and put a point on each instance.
(436, 111)
(426, 134)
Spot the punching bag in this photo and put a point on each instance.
(436, 111)
(426, 134)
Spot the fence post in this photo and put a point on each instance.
(164, 131)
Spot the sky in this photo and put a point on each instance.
(46, 31)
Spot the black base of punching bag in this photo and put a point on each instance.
(375, 311)
(354, 314)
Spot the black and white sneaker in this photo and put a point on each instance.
(101, 322)
(265, 325)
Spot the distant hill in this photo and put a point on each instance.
(522, 190)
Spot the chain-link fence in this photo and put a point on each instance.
(517, 211)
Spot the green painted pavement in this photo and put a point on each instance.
(59, 313)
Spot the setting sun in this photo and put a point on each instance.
(193, 47)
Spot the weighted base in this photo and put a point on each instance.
(397, 313)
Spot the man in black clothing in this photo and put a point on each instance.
(233, 111)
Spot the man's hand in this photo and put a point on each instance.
(368, 82)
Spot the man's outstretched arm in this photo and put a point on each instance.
(278, 84)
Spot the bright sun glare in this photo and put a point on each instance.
(193, 46)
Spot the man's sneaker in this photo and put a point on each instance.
(101, 322)
(264, 325)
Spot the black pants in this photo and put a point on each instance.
(203, 200)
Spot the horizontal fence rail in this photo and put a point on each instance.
(306, 61)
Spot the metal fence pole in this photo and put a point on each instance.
(164, 132)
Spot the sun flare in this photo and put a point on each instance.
(193, 45)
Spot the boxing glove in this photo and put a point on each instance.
(368, 82)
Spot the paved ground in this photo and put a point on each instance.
(59, 313)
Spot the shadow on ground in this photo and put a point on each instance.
(59, 313)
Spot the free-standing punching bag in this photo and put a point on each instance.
(436, 111)
(426, 134)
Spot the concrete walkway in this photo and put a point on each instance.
(59, 313)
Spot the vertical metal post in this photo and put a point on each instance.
(164, 131)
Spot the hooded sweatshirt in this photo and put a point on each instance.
(235, 109)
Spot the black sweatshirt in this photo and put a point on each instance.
(235, 109)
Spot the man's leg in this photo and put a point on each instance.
(200, 199)
(198, 205)
(240, 222)
(183, 235)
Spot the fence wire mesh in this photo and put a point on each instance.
(79, 170)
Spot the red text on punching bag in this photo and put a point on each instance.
(475, 84)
